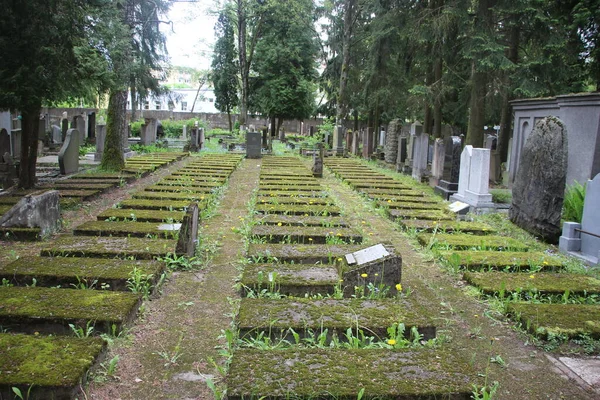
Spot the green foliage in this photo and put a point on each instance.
(573, 202)
(224, 65)
(501, 196)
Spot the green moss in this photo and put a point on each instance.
(109, 247)
(261, 199)
(81, 186)
(67, 271)
(84, 194)
(342, 374)
(308, 235)
(412, 205)
(476, 228)
(430, 215)
(190, 184)
(104, 175)
(292, 209)
(191, 190)
(545, 283)
(465, 241)
(118, 228)
(291, 279)
(141, 204)
(278, 187)
(39, 305)
(291, 193)
(392, 192)
(558, 319)
(47, 362)
(300, 220)
(171, 196)
(515, 261)
(300, 253)
(20, 234)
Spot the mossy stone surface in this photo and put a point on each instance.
(172, 179)
(78, 186)
(379, 185)
(297, 209)
(293, 200)
(541, 282)
(392, 192)
(128, 228)
(341, 374)
(308, 234)
(109, 247)
(20, 234)
(172, 196)
(141, 204)
(465, 241)
(412, 205)
(67, 271)
(300, 253)
(180, 189)
(430, 215)
(405, 199)
(510, 260)
(54, 365)
(476, 228)
(84, 194)
(104, 175)
(189, 184)
(291, 193)
(558, 319)
(300, 220)
(29, 309)
(280, 187)
(141, 215)
(292, 279)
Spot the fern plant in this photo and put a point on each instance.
(573, 203)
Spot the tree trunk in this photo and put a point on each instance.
(29, 143)
(134, 103)
(229, 119)
(505, 120)
(476, 108)
(242, 55)
(355, 121)
(349, 6)
(116, 128)
(437, 102)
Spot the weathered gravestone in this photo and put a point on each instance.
(378, 264)
(474, 178)
(368, 139)
(421, 151)
(4, 142)
(79, 124)
(57, 136)
(583, 240)
(437, 162)
(317, 168)
(338, 140)
(68, 157)
(100, 138)
(91, 132)
(349, 137)
(355, 143)
(448, 185)
(148, 132)
(538, 191)
(188, 232)
(253, 145)
(64, 127)
(391, 141)
(35, 210)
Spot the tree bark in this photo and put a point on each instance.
(505, 120)
(349, 8)
(242, 55)
(116, 128)
(29, 144)
(134, 103)
(437, 102)
(476, 108)
(229, 119)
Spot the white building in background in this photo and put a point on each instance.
(182, 100)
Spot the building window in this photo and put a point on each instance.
(184, 106)
(146, 105)
(157, 105)
(210, 100)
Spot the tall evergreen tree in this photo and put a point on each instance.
(224, 67)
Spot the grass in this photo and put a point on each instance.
(573, 203)
(503, 196)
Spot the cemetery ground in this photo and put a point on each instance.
(184, 340)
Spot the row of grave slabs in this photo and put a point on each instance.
(321, 315)
(40, 350)
(539, 293)
(85, 186)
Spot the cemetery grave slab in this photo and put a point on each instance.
(172, 196)
(180, 189)
(373, 193)
(428, 215)
(502, 260)
(167, 205)
(261, 199)
(412, 205)
(461, 241)
(270, 178)
(374, 317)
(292, 209)
(173, 179)
(300, 220)
(341, 374)
(187, 173)
(282, 187)
(409, 199)
(129, 228)
(104, 175)
(66, 185)
(20, 233)
(69, 271)
(539, 282)
(188, 184)
(141, 215)
(299, 253)
(291, 279)
(291, 193)
(52, 365)
(558, 319)
(51, 310)
(298, 234)
(379, 185)
(109, 247)
(71, 181)
(475, 228)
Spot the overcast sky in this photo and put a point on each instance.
(191, 41)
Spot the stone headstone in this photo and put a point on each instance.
(380, 264)
(100, 138)
(391, 141)
(311, 130)
(538, 190)
(68, 157)
(194, 140)
(42, 128)
(382, 135)
(184, 133)
(64, 127)
(148, 132)
(79, 124)
(4, 142)
(367, 149)
(36, 210)
(201, 138)
(349, 137)
(91, 132)
(317, 168)
(15, 143)
(265, 138)
(355, 143)
(437, 162)
(188, 233)
(473, 181)
(56, 134)
(338, 140)
(448, 184)
(160, 130)
(253, 145)
(421, 149)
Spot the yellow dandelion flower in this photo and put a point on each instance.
(338, 234)
(310, 239)
(363, 222)
(398, 287)
(339, 259)
(531, 276)
(545, 263)
(390, 200)
(391, 342)
(364, 275)
(279, 224)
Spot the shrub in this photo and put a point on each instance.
(573, 204)
(501, 195)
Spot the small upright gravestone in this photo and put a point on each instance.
(437, 162)
(100, 138)
(474, 178)
(421, 151)
(188, 233)
(57, 136)
(148, 132)
(68, 157)
(538, 190)
(35, 210)
(4, 142)
(317, 168)
(253, 144)
(391, 141)
(368, 138)
(448, 185)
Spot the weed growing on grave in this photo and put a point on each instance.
(107, 370)
(486, 392)
(19, 394)
(140, 283)
(81, 332)
(6, 283)
(180, 263)
(171, 357)
(269, 291)
(573, 203)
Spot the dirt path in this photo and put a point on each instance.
(187, 319)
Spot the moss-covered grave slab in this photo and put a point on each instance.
(183, 179)
(283, 187)
(114, 181)
(300, 220)
(299, 253)
(540, 282)
(405, 199)
(305, 234)
(463, 241)
(53, 366)
(78, 186)
(410, 205)
(180, 189)
(475, 228)
(146, 204)
(297, 209)
(51, 310)
(20, 234)
(379, 185)
(141, 215)
(84, 194)
(503, 260)
(342, 374)
(109, 247)
(571, 320)
(290, 279)
(165, 230)
(69, 271)
(374, 317)
(392, 192)
(261, 199)
(428, 215)
(197, 196)
(189, 184)
(270, 178)
(104, 175)
(292, 193)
